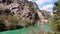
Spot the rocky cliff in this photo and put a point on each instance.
(21, 13)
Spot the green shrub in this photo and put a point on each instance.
(31, 7)
(13, 20)
(26, 22)
(1, 20)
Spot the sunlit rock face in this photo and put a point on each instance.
(24, 11)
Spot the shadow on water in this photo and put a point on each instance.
(29, 29)
(44, 27)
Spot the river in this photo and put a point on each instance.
(30, 30)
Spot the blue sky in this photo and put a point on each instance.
(45, 4)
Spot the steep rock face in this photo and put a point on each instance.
(26, 12)
(46, 14)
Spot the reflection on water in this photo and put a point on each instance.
(28, 30)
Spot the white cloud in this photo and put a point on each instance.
(42, 1)
(29, 0)
(47, 7)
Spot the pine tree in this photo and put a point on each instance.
(56, 17)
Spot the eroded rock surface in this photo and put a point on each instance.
(26, 12)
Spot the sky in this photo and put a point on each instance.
(45, 4)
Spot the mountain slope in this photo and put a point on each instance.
(21, 13)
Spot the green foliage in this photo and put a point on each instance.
(55, 20)
(1, 20)
(49, 33)
(13, 20)
(26, 22)
(31, 7)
